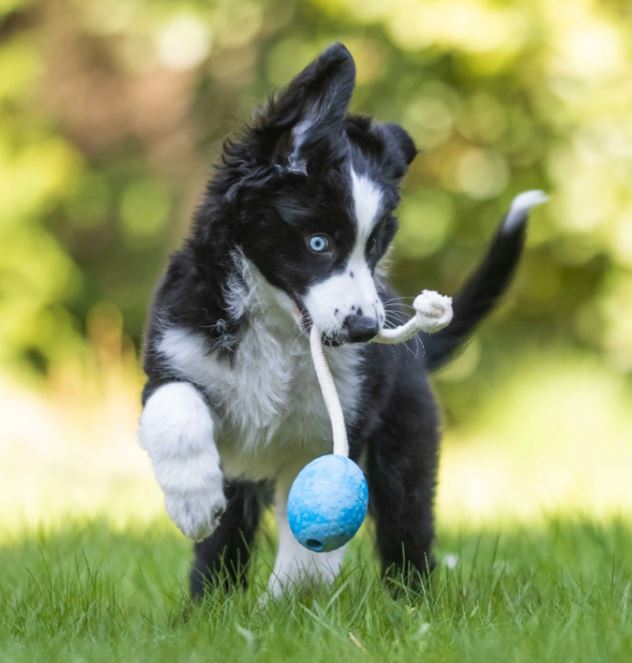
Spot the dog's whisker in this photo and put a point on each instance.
(297, 337)
(398, 309)
(396, 320)
(398, 300)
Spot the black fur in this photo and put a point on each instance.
(224, 557)
(274, 186)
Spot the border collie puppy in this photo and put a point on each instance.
(291, 230)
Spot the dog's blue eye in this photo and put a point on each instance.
(318, 243)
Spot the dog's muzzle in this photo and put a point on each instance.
(359, 328)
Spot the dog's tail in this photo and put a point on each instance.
(488, 282)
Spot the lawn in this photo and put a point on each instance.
(91, 569)
(557, 591)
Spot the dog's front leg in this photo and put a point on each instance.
(176, 430)
(296, 566)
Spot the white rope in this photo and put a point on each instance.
(400, 334)
(432, 312)
(330, 394)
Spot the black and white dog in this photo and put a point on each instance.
(292, 230)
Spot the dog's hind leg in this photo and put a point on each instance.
(223, 558)
(401, 467)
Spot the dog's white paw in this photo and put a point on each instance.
(197, 512)
(433, 311)
(176, 430)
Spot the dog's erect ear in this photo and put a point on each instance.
(312, 107)
(403, 141)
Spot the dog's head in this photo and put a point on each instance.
(312, 192)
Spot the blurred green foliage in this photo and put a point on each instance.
(112, 111)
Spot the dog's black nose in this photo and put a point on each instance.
(360, 328)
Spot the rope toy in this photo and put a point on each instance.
(328, 500)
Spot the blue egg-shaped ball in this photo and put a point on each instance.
(327, 503)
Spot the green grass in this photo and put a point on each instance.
(561, 591)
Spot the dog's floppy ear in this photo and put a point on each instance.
(311, 108)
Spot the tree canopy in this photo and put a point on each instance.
(113, 111)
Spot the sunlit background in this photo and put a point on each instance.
(112, 112)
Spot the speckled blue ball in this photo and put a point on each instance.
(327, 503)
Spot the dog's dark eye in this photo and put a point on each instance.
(372, 241)
(318, 243)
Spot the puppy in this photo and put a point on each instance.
(292, 230)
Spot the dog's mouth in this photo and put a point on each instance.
(331, 340)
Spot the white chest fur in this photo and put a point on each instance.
(269, 413)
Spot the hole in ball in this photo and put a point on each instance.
(314, 544)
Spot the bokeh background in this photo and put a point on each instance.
(112, 112)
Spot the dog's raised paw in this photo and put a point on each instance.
(197, 513)
(433, 310)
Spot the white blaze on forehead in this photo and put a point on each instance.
(367, 201)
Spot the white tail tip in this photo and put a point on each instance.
(520, 205)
